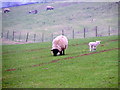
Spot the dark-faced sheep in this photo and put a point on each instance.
(49, 8)
(33, 11)
(6, 10)
(59, 44)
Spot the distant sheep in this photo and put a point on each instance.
(59, 44)
(49, 8)
(93, 45)
(33, 11)
(6, 10)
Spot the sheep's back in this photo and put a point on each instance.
(60, 41)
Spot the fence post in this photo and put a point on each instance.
(62, 32)
(7, 34)
(42, 37)
(2, 35)
(109, 28)
(84, 32)
(27, 37)
(52, 36)
(13, 36)
(73, 33)
(96, 30)
(19, 36)
(34, 37)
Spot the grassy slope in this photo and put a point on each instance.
(93, 71)
(67, 16)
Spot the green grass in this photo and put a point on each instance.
(98, 70)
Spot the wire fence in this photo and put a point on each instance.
(70, 34)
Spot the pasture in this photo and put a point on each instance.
(33, 66)
(67, 16)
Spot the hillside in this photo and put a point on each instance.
(66, 16)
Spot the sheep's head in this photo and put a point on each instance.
(98, 42)
(55, 51)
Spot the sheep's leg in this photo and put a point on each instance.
(63, 52)
(90, 47)
(94, 47)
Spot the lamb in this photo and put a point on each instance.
(93, 45)
(59, 44)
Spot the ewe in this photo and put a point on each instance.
(59, 44)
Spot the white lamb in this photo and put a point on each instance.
(59, 44)
(93, 45)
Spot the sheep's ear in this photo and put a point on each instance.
(51, 50)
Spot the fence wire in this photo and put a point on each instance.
(70, 34)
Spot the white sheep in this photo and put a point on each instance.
(49, 7)
(59, 44)
(93, 45)
(6, 10)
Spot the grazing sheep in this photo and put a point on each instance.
(6, 10)
(93, 45)
(33, 11)
(49, 8)
(59, 44)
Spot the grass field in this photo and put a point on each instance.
(33, 66)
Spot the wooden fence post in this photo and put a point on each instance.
(2, 35)
(42, 37)
(73, 33)
(19, 36)
(34, 37)
(52, 36)
(96, 30)
(62, 32)
(27, 37)
(7, 34)
(13, 36)
(109, 28)
(84, 32)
